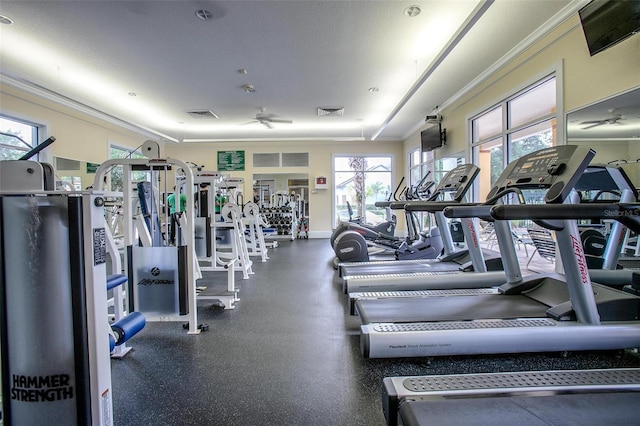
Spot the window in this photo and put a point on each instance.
(518, 125)
(421, 164)
(359, 183)
(115, 174)
(16, 138)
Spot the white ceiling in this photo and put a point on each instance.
(298, 55)
(615, 118)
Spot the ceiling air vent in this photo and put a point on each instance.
(203, 114)
(330, 111)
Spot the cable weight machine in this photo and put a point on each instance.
(54, 323)
(161, 277)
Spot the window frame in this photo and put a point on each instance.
(504, 135)
(392, 167)
(36, 131)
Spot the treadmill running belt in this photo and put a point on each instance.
(615, 408)
(400, 268)
(448, 308)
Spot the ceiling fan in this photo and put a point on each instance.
(611, 120)
(267, 119)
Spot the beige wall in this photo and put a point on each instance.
(320, 164)
(585, 79)
(87, 138)
(78, 136)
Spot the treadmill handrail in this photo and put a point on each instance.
(626, 213)
(397, 205)
(482, 211)
(395, 193)
(434, 206)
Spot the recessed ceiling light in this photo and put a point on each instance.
(242, 71)
(5, 20)
(132, 94)
(412, 11)
(248, 88)
(373, 89)
(204, 14)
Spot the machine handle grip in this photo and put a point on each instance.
(397, 205)
(38, 148)
(433, 206)
(470, 210)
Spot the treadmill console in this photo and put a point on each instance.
(605, 178)
(557, 168)
(458, 180)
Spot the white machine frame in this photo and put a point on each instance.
(187, 233)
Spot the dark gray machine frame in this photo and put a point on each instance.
(541, 313)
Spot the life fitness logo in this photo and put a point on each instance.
(155, 272)
(582, 263)
(474, 237)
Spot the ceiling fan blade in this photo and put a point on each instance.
(597, 123)
(249, 122)
(594, 122)
(267, 124)
(277, 120)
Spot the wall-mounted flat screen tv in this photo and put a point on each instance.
(432, 138)
(608, 22)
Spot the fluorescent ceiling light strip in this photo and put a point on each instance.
(60, 99)
(453, 42)
(300, 139)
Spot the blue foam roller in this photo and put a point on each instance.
(115, 280)
(128, 327)
(112, 343)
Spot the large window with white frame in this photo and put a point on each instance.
(16, 138)
(420, 164)
(522, 123)
(360, 181)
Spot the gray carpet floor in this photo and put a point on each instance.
(288, 354)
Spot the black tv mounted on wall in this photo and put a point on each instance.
(608, 22)
(433, 137)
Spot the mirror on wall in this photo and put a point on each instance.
(611, 127)
(74, 175)
(267, 187)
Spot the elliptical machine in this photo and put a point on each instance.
(369, 231)
(351, 245)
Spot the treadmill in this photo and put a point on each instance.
(599, 396)
(455, 184)
(596, 180)
(538, 313)
(533, 398)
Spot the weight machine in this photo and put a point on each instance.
(54, 329)
(162, 278)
